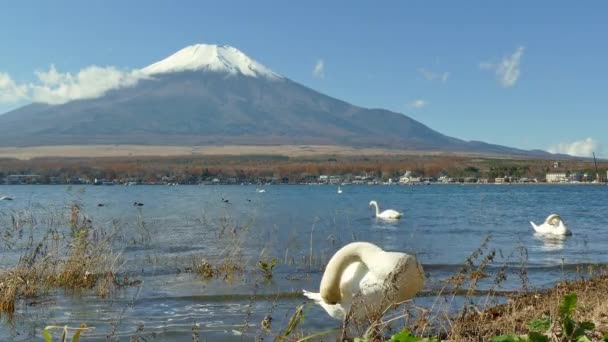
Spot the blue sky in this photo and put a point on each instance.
(523, 74)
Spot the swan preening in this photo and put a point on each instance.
(553, 225)
(361, 281)
(387, 214)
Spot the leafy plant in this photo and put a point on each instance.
(540, 325)
(508, 338)
(64, 336)
(532, 337)
(406, 336)
(403, 336)
(571, 329)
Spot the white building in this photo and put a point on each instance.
(407, 178)
(556, 177)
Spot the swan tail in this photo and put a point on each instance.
(312, 295)
(335, 311)
(534, 226)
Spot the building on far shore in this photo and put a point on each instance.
(556, 177)
(408, 178)
(22, 179)
(575, 177)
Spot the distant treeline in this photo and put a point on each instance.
(192, 170)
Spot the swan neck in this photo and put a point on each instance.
(377, 209)
(355, 252)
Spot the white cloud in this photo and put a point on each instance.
(57, 88)
(11, 92)
(319, 69)
(430, 75)
(508, 70)
(581, 148)
(54, 87)
(419, 103)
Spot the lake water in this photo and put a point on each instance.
(442, 225)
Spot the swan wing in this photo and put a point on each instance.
(562, 229)
(549, 229)
(397, 277)
(544, 229)
(391, 214)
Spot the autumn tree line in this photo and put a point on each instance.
(263, 168)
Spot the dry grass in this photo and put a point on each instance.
(514, 316)
(227, 264)
(96, 151)
(20, 282)
(226, 269)
(26, 153)
(74, 259)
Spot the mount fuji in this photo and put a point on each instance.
(217, 95)
(210, 58)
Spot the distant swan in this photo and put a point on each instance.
(363, 274)
(553, 225)
(260, 190)
(339, 190)
(5, 198)
(387, 214)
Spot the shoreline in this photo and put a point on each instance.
(515, 316)
(322, 184)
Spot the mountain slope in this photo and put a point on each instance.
(207, 95)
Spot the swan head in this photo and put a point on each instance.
(331, 295)
(372, 203)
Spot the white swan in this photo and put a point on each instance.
(339, 190)
(553, 225)
(387, 214)
(361, 281)
(5, 198)
(260, 190)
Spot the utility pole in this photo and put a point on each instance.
(597, 174)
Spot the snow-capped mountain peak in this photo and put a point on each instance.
(213, 58)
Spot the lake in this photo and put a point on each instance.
(159, 241)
